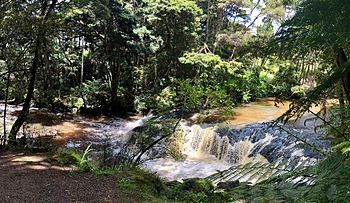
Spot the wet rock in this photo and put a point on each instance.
(222, 131)
(283, 145)
(258, 135)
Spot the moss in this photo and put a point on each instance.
(197, 185)
(66, 157)
(228, 185)
(141, 182)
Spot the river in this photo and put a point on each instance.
(207, 148)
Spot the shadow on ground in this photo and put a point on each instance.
(32, 178)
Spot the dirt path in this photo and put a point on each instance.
(31, 178)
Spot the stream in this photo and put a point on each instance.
(207, 148)
(244, 138)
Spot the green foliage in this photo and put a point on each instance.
(299, 90)
(143, 139)
(176, 24)
(94, 94)
(187, 95)
(343, 147)
(209, 82)
(339, 120)
(71, 156)
(337, 128)
(124, 56)
(319, 24)
(199, 92)
(140, 182)
(299, 107)
(197, 185)
(324, 182)
(285, 81)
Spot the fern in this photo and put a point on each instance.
(327, 181)
(343, 147)
(71, 156)
(257, 172)
(84, 163)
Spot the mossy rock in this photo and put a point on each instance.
(197, 185)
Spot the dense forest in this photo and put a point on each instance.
(174, 58)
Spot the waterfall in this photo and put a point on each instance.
(205, 141)
(254, 142)
(208, 148)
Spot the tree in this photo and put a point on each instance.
(176, 22)
(108, 28)
(40, 14)
(318, 26)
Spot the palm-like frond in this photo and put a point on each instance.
(259, 171)
(327, 181)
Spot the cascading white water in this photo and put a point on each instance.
(208, 149)
(205, 141)
(215, 149)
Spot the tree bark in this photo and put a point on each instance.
(340, 59)
(341, 104)
(25, 110)
(82, 63)
(3, 139)
(35, 65)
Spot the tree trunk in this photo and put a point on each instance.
(341, 104)
(82, 64)
(208, 23)
(25, 110)
(3, 139)
(35, 65)
(340, 59)
(115, 97)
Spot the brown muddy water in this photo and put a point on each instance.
(205, 150)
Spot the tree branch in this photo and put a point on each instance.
(13, 71)
(137, 160)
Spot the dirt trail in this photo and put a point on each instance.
(31, 178)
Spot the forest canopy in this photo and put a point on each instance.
(177, 57)
(120, 56)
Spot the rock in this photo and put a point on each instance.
(222, 131)
(258, 135)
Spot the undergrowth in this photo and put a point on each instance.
(328, 181)
(71, 156)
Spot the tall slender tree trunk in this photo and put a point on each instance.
(208, 23)
(341, 103)
(115, 99)
(340, 59)
(33, 70)
(25, 110)
(82, 63)
(3, 139)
